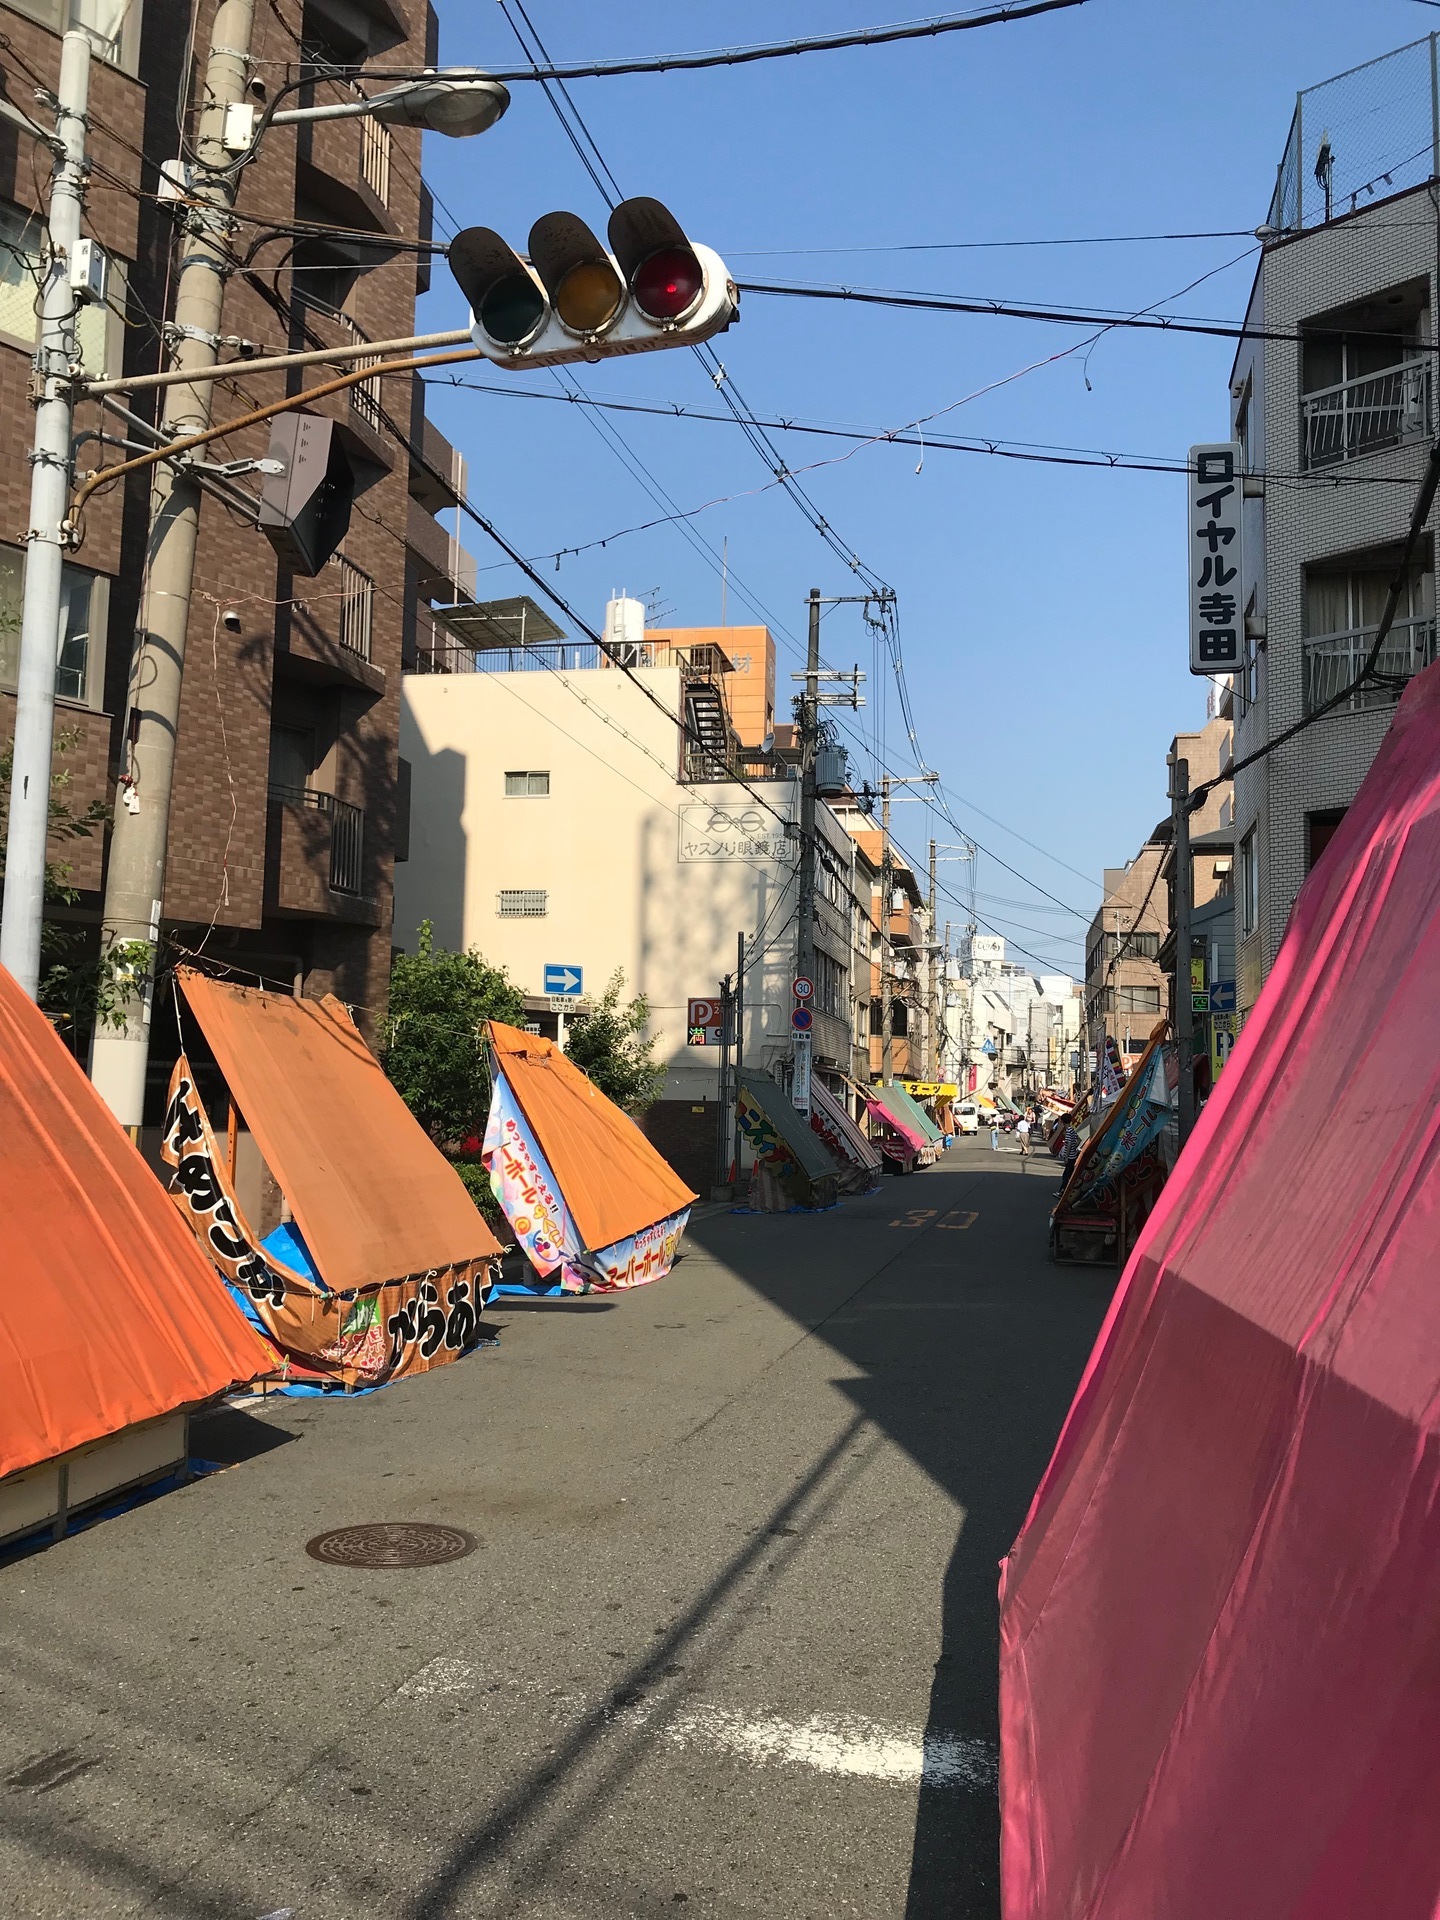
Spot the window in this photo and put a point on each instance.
(112, 26)
(1145, 946)
(292, 760)
(97, 328)
(1320, 831)
(1342, 612)
(80, 642)
(519, 903)
(1137, 1000)
(1249, 885)
(531, 785)
(829, 985)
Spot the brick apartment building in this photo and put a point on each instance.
(287, 813)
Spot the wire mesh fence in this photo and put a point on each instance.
(1360, 136)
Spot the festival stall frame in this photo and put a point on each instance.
(385, 1266)
(861, 1167)
(795, 1169)
(899, 1136)
(1121, 1168)
(113, 1326)
(593, 1206)
(932, 1132)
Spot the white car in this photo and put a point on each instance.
(967, 1117)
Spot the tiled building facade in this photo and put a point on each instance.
(287, 807)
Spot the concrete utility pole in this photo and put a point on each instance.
(809, 732)
(933, 1050)
(56, 353)
(135, 877)
(1184, 1008)
(887, 893)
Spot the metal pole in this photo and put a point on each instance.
(1184, 1008)
(276, 363)
(56, 352)
(722, 1105)
(809, 718)
(739, 1039)
(135, 877)
(887, 889)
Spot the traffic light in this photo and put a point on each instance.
(305, 508)
(574, 300)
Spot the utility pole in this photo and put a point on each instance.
(1184, 1007)
(933, 1023)
(809, 731)
(135, 876)
(725, 1096)
(887, 894)
(56, 354)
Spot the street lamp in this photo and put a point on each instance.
(452, 102)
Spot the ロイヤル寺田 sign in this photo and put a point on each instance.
(1217, 619)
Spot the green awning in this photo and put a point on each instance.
(909, 1105)
(801, 1141)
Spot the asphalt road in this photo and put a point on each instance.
(727, 1646)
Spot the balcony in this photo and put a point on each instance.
(329, 636)
(1365, 415)
(316, 857)
(1332, 661)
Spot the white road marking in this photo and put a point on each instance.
(438, 1676)
(839, 1743)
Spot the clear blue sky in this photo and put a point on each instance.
(1042, 609)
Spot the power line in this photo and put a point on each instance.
(979, 246)
(770, 50)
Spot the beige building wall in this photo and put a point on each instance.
(638, 872)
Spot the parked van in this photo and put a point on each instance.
(967, 1117)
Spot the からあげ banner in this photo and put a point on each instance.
(363, 1337)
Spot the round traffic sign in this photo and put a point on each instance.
(801, 987)
(802, 1019)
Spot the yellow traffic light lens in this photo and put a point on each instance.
(589, 296)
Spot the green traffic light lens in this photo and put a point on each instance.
(589, 296)
(512, 309)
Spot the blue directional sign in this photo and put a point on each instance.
(564, 982)
(1222, 997)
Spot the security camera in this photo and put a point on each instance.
(231, 619)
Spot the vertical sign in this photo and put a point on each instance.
(1217, 487)
(800, 1073)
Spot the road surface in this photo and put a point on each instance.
(727, 1646)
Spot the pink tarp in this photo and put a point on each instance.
(1220, 1666)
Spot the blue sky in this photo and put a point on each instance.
(1042, 609)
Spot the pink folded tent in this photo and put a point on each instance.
(1220, 1668)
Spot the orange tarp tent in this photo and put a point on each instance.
(613, 1185)
(372, 1194)
(109, 1314)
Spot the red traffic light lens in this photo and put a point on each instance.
(667, 285)
(512, 309)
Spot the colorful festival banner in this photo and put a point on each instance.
(530, 1198)
(1138, 1119)
(360, 1338)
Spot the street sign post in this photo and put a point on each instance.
(1217, 621)
(564, 982)
(1222, 997)
(800, 1073)
(704, 1023)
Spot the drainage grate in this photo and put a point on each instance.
(391, 1543)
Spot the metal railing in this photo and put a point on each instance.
(347, 833)
(357, 606)
(1332, 661)
(1365, 415)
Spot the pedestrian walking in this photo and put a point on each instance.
(994, 1136)
(1069, 1152)
(1022, 1134)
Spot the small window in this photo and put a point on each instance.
(292, 761)
(98, 329)
(79, 644)
(1320, 831)
(517, 903)
(533, 785)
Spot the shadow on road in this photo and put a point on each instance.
(969, 1368)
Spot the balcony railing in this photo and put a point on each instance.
(375, 158)
(1376, 411)
(1332, 661)
(357, 606)
(347, 833)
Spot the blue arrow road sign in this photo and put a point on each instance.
(1222, 997)
(564, 981)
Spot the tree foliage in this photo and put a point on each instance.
(434, 1037)
(606, 1045)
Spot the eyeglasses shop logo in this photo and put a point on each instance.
(747, 832)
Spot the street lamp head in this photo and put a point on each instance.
(457, 105)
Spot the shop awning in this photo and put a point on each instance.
(860, 1164)
(768, 1116)
(882, 1102)
(109, 1313)
(606, 1207)
(1219, 1685)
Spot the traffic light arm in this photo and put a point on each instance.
(103, 476)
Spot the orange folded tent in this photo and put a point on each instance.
(580, 1184)
(393, 1256)
(112, 1325)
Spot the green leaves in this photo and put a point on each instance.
(606, 1046)
(434, 1037)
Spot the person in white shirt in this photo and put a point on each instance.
(1022, 1134)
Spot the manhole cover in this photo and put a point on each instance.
(391, 1543)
